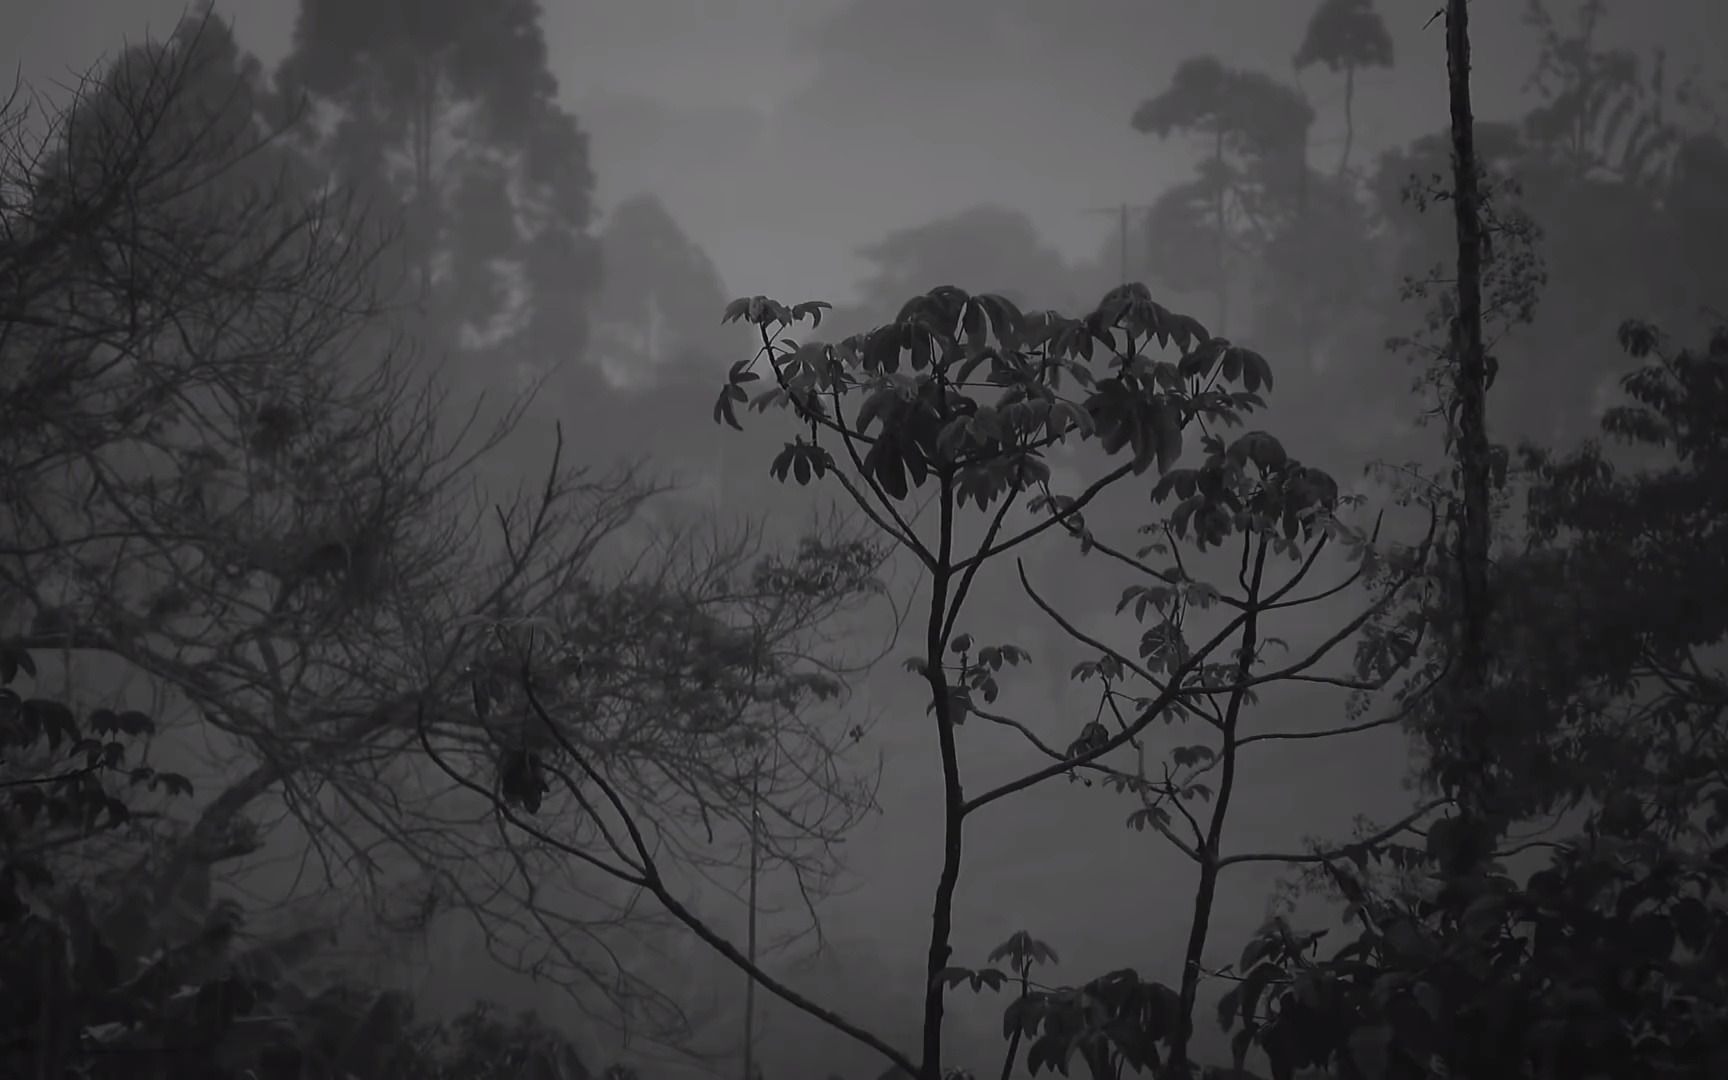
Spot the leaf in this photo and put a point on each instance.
(54, 720)
(1370, 1049)
(1262, 976)
(1021, 1015)
(1240, 1044)
(1227, 1006)
(1691, 922)
(1652, 935)
(812, 310)
(959, 705)
(876, 406)
(723, 409)
(1186, 756)
(740, 373)
(172, 783)
(1167, 424)
(1148, 817)
(1413, 1024)
(882, 350)
(1638, 338)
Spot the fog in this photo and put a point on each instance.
(785, 141)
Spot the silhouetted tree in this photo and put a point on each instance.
(1346, 36)
(449, 110)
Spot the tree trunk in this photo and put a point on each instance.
(425, 211)
(1470, 383)
(953, 797)
(1180, 1067)
(1349, 118)
(1221, 238)
(1306, 290)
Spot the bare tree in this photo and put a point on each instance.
(219, 476)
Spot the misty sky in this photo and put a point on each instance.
(783, 140)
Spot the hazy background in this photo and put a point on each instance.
(783, 136)
(741, 115)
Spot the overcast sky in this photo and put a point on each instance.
(721, 107)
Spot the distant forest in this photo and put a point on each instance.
(398, 548)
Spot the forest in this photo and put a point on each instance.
(448, 630)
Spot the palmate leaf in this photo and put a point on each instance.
(935, 418)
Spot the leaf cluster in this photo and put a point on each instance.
(971, 391)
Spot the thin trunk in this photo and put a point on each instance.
(1122, 226)
(750, 937)
(1013, 1053)
(1305, 317)
(1349, 118)
(1470, 385)
(1221, 239)
(423, 177)
(1206, 892)
(953, 797)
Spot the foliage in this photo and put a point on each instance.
(1604, 704)
(1600, 114)
(1248, 112)
(1255, 131)
(66, 780)
(654, 308)
(910, 261)
(1594, 170)
(1605, 963)
(1611, 613)
(450, 111)
(219, 479)
(955, 406)
(68, 784)
(111, 975)
(1345, 35)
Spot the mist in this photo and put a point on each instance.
(534, 344)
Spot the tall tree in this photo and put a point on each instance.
(449, 110)
(1469, 435)
(909, 414)
(1254, 132)
(1599, 168)
(1346, 36)
(654, 313)
(981, 240)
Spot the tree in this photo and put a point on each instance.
(70, 783)
(213, 481)
(1346, 36)
(1608, 957)
(451, 111)
(982, 239)
(1604, 961)
(947, 430)
(1259, 223)
(1256, 132)
(1595, 170)
(654, 311)
(99, 984)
